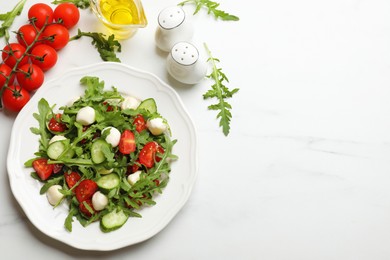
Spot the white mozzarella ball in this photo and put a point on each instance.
(113, 137)
(86, 115)
(99, 201)
(130, 103)
(54, 195)
(57, 138)
(71, 102)
(156, 126)
(134, 177)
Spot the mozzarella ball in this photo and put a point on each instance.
(134, 177)
(113, 137)
(54, 195)
(99, 201)
(156, 126)
(86, 115)
(130, 103)
(71, 102)
(57, 138)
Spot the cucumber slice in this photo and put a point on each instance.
(108, 182)
(57, 148)
(113, 220)
(97, 154)
(148, 104)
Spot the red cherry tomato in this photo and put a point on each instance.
(43, 169)
(127, 143)
(72, 178)
(44, 56)
(5, 71)
(26, 35)
(83, 209)
(55, 124)
(85, 190)
(67, 14)
(147, 156)
(13, 52)
(140, 124)
(56, 36)
(15, 98)
(40, 14)
(30, 77)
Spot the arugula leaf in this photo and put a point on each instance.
(50, 183)
(83, 4)
(107, 47)
(9, 17)
(43, 109)
(69, 218)
(212, 8)
(221, 92)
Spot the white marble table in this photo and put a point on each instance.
(305, 171)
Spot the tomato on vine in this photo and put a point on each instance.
(44, 56)
(26, 35)
(14, 98)
(39, 14)
(67, 14)
(12, 52)
(56, 36)
(30, 77)
(5, 72)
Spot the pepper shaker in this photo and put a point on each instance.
(173, 27)
(186, 64)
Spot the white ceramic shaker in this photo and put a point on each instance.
(186, 64)
(173, 27)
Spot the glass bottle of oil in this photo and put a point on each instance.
(121, 17)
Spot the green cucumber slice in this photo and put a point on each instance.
(113, 220)
(108, 182)
(148, 104)
(56, 149)
(97, 154)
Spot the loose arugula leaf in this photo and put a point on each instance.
(212, 8)
(50, 183)
(69, 219)
(221, 92)
(43, 109)
(107, 47)
(9, 17)
(83, 4)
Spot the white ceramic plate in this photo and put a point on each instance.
(129, 81)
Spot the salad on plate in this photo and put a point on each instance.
(105, 155)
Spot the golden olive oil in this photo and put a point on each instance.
(120, 12)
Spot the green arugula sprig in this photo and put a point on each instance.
(83, 4)
(9, 17)
(107, 47)
(221, 92)
(212, 8)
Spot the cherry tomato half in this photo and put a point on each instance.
(67, 14)
(30, 77)
(56, 36)
(40, 14)
(44, 56)
(147, 156)
(55, 124)
(72, 178)
(83, 209)
(43, 169)
(127, 143)
(140, 124)
(15, 98)
(13, 52)
(85, 190)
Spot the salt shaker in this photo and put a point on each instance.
(173, 27)
(186, 64)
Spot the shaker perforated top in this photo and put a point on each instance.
(171, 17)
(185, 53)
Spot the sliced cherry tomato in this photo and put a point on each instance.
(43, 169)
(57, 167)
(56, 125)
(13, 52)
(26, 35)
(15, 98)
(40, 14)
(72, 178)
(147, 156)
(30, 77)
(140, 124)
(67, 14)
(84, 209)
(127, 143)
(85, 190)
(5, 71)
(44, 56)
(56, 36)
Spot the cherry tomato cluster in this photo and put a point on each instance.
(25, 61)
